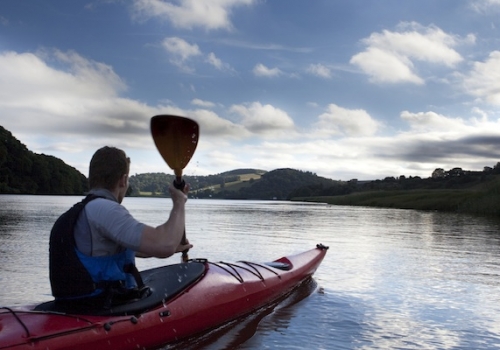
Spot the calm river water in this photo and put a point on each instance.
(392, 279)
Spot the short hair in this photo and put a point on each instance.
(107, 166)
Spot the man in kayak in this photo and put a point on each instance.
(93, 245)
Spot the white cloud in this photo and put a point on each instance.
(225, 158)
(386, 67)
(201, 103)
(264, 119)
(213, 60)
(484, 79)
(78, 90)
(183, 55)
(483, 114)
(433, 122)
(216, 128)
(181, 51)
(486, 6)
(262, 71)
(319, 70)
(28, 76)
(62, 102)
(188, 14)
(348, 122)
(390, 57)
(181, 48)
(429, 44)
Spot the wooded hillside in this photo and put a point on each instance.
(22, 171)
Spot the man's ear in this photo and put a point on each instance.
(123, 180)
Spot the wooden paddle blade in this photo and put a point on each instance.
(176, 139)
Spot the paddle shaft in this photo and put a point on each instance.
(180, 184)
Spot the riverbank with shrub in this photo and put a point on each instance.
(483, 199)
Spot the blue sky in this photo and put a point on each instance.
(345, 89)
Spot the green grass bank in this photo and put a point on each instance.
(481, 200)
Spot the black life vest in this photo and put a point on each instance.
(74, 275)
(68, 276)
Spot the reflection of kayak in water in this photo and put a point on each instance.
(274, 317)
(185, 299)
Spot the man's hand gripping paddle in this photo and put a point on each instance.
(176, 139)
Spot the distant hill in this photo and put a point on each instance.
(235, 184)
(280, 184)
(209, 186)
(22, 171)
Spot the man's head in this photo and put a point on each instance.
(109, 166)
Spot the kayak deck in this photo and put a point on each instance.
(221, 293)
(164, 283)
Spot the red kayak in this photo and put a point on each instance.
(186, 299)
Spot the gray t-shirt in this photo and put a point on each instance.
(106, 227)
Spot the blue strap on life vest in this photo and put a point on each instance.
(107, 270)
